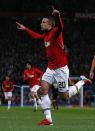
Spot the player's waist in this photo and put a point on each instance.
(56, 66)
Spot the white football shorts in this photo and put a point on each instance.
(59, 76)
(7, 94)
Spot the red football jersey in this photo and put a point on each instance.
(53, 40)
(7, 86)
(34, 80)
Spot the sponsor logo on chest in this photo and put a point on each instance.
(47, 44)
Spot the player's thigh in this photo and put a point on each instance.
(6, 95)
(48, 76)
(44, 86)
(61, 76)
(47, 80)
(9, 94)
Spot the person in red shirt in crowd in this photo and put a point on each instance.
(57, 70)
(7, 87)
(32, 76)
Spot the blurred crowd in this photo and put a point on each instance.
(36, 5)
(17, 47)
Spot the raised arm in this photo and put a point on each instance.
(56, 13)
(91, 74)
(30, 32)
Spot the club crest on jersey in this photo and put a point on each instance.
(47, 44)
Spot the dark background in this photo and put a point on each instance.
(17, 47)
(40, 5)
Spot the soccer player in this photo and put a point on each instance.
(57, 70)
(32, 76)
(91, 74)
(7, 86)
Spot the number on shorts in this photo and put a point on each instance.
(62, 84)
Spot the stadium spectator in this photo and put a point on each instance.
(32, 76)
(91, 74)
(57, 70)
(7, 86)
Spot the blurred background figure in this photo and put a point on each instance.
(32, 76)
(7, 86)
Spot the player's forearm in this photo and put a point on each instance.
(56, 14)
(33, 34)
(60, 22)
(30, 32)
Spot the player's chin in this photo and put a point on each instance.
(42, 28)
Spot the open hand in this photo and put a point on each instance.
(20, 26)
(55, 12)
